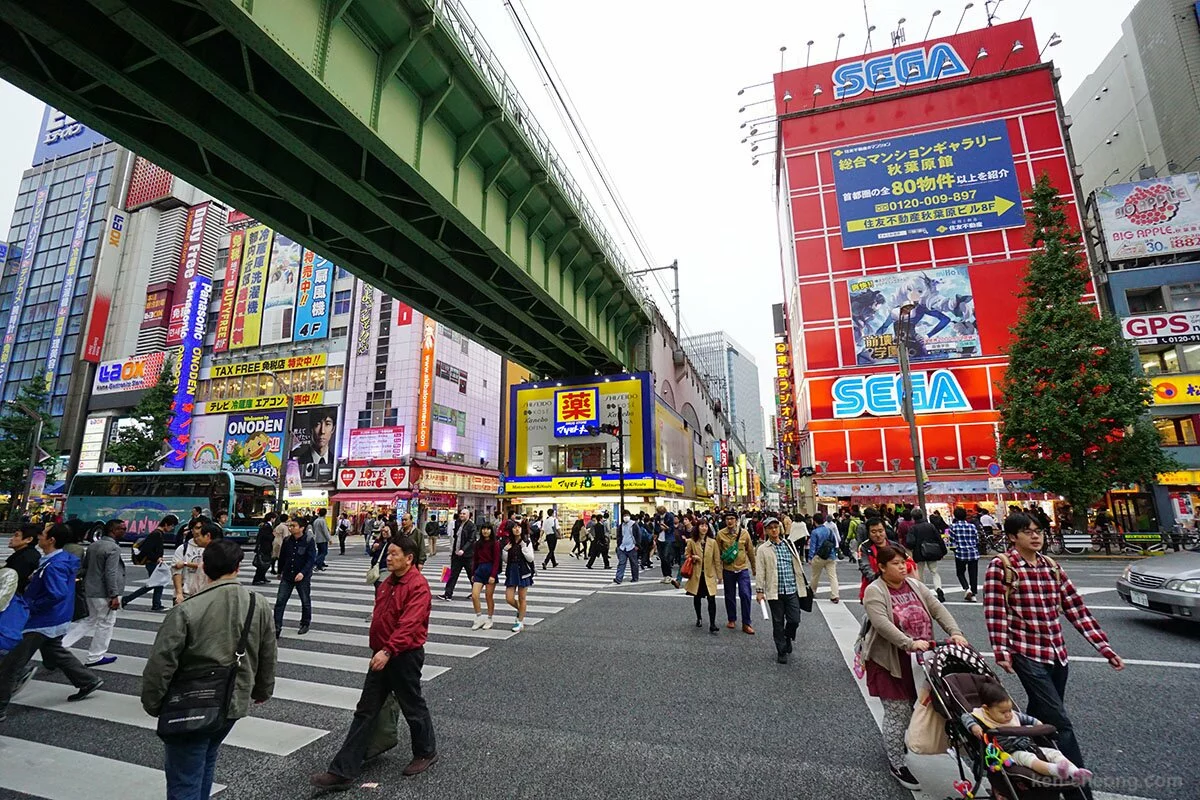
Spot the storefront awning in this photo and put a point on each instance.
(368, 497)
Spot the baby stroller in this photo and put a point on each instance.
(955, 674)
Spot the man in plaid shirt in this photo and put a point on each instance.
(965, 541)
(1021, 605)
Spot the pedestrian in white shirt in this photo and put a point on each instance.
(187, 567)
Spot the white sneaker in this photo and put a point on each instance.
(487, 624)
(517, 626)
(478, 623)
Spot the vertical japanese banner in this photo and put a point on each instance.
(83, 216)
(233, 270)
(24, 269)
(104, 283)
(425, 387)
(312, 303)
(279, 299)
(195, 323)
(366, 305)
(247, 309)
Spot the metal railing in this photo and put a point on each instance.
(475, 49)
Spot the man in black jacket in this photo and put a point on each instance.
(599, 548)
(462, 550)
(25, 555)
(149, 554)
(297, 558)
(927, 550)
(264, 544)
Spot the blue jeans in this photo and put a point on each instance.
(624, 557)
(737, 585)
(189, 761)
(322, 551)
(303, 588)
(1046, 687)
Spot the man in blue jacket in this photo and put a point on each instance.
(823, 554)
(51, 600)
(297, 557)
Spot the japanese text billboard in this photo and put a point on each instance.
(942, 322)
(312, 302)
(279, 300)
(83, 216)
(376, 444)
(233, 270)
(247, 313)
(24, 269)
(63, 136)
(927, 185)
(576, 411)
(425, 387)
(1149, 218)
(104, 283)
(258, 438)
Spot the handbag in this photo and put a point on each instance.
(384, 735)
(197, 701)
(932, 551)
(806, 599)
(372, 573)
(445, 574)
(926, 733)
(688, 565)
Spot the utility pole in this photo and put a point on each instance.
(904, 330)
(35, 448)
(674, 265)
(287, 441)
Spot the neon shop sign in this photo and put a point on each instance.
(880, 395)
(896, 70)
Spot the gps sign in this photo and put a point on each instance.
(1149, 329)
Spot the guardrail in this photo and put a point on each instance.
(475, 49)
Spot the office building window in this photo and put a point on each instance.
(341, 302)
(1185, 297)
(1146, 300)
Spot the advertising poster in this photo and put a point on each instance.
(1180, 327)
(576, 411)
(248, 308)
(258, 438)
(206, 449)
(956, 180)
(233, 270)
(425, 387)
(83, 216)
(131, 374)
(377, 444)
(195, 326)
(156, 309)
(63, 136)
(104, 284)
(366, 304)
(314, 431)
(24, 268)
(279, 300)
(1172, 390)
(312, 303)
(1152, 217)
(942, 320)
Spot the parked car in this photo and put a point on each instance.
(1167, 585)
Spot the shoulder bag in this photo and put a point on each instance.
(197, 701)
(730, 554)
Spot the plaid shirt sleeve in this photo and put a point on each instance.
(1077, 611)
(995, 610)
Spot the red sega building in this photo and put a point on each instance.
(901, 180)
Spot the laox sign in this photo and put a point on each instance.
(879, 395)
(896, 70)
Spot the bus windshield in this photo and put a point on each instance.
(142, 499)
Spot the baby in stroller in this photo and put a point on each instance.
(996, 711)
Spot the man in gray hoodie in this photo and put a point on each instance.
(321, 535)
(103, 585)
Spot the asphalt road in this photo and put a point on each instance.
(616, 693)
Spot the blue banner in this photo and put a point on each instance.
(24, 270)
(941, 183)
(62, 135)
(195, 323)
(83, 216)
(312, 301)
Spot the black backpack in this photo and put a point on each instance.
(825, 548)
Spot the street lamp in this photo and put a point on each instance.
(903, 330)
(287, 437)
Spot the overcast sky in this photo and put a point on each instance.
(655, 83)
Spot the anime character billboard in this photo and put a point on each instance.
(942, 317)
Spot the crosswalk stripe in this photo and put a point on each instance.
(359, 640)
(37, 770)
(368, 600)
(251, 733)
(347, 622)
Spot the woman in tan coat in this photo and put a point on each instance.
(706, 571)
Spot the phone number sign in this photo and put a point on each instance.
(940, 183)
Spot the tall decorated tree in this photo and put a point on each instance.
(1073, 412)
(141, 446)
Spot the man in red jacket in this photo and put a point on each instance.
(399, 628)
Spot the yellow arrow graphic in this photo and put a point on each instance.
(997, 206)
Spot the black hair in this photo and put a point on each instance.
(406, 545)
(960, 514)
(873, 521)
(1015, 523)
(61, 535)
(221, 558)
(29, 530)
(214, 531)
(889, 552)
(992, 692)
(818, 518)
(198, 508)
(321, 512)
(169, 519)
(918, 515)
(111, 525)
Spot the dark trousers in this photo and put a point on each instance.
(342, 544)
(645, 549)
(189, 762)
(737, 586)
(155, 600)
(1046, 687)
(551, 543)
(54, 656)
(260, 572)
(578, 547)
(401, 677)
(665, 553)
(322, 551)
(598, 552)
(303, 588)
(967, 569)
(702, 594)
(457, 565)
(785, 619)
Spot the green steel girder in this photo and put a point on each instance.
(230, 96)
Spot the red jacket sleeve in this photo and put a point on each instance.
(412, 624)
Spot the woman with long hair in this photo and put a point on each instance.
(485, 567)
(706, 571)
(518, 571)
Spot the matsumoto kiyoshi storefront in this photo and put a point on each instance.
(555, 461)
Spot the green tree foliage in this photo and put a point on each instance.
(16, 437)
(1073, 410)
(140, 447)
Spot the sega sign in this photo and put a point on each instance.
(898, 70)
(1180, 327)
(879, 395)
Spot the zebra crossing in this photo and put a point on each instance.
(109, 740)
